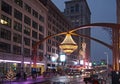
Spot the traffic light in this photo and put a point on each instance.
(94, 64)
(102, 63)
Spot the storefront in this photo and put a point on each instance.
(15, 66)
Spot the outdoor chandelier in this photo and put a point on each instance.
(68, 45)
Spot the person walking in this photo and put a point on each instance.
(95, 81)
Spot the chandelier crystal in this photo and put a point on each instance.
(68, 45)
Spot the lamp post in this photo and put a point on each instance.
(107, 65)
(22, 62)
(107, 59)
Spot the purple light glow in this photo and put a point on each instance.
(11, 61)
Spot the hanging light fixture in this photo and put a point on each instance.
(68, 45)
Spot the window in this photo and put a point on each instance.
(53, 43)
(41, 47)
(7, 20)
(17, 38)
(41, 18)
(27, 20)
(49, 48)
(27, 30)
(17, 26)
(33, 42)
(26, 52)
(77, 7)
(34, 25)
(5, 34)
(76, 24)
(40, 37)
(35, 14)
(17, 14)
(27, 8)
(4, 47)
(53, 50)
(27, 41)
(6, 8)
(72, 9)
(34, 34)
(41, 28)
(16, 50)
(19, 2)
(40, 54)
(49, 41)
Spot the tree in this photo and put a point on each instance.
(10, 74)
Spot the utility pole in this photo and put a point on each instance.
(22, 62)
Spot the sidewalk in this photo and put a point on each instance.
(40, 79)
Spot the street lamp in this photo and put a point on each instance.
(68, 45)
(107, 63)
(107, 59)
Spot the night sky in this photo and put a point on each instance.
(101, 11)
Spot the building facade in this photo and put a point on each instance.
(78, 12)
(22, 24)
(118, 11)
(56, 23)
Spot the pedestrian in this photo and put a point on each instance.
(25, 76)
(95, 81)
(18, 76)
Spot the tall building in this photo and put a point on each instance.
(118, 11)
(78, 12)
(22, 24)
(56, 23)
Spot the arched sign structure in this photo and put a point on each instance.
(115, 47)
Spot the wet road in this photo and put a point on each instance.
(66, 80)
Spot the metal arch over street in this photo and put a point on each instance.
(88, 37)
(115, 46)
(115, 40)
(107, 25)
